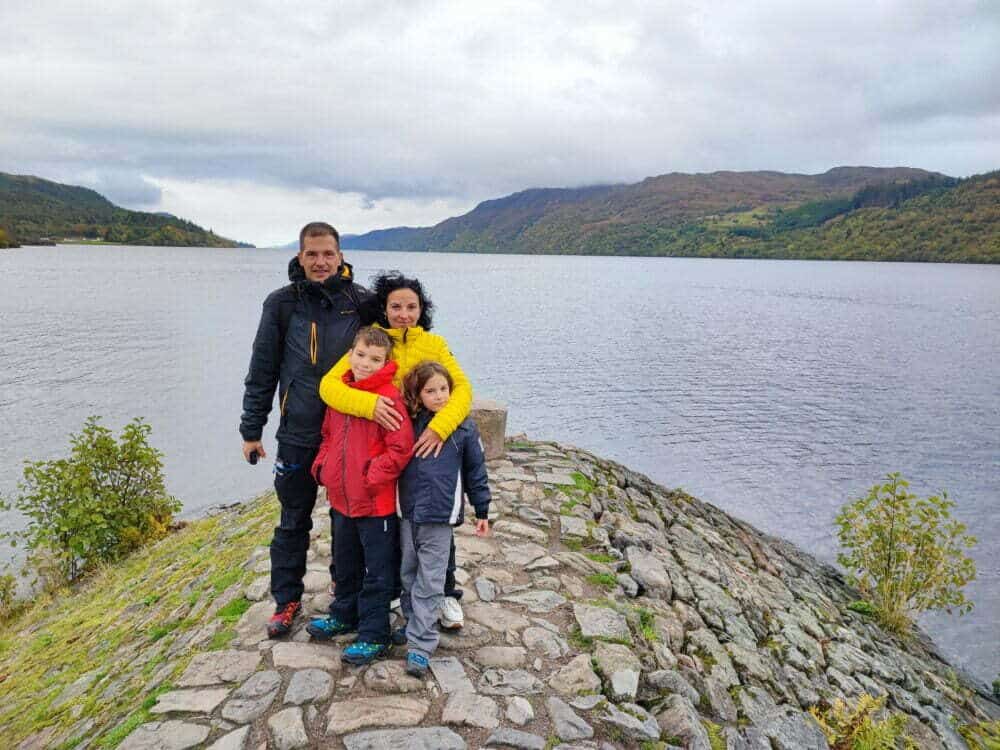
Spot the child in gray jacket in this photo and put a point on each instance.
(430, 503)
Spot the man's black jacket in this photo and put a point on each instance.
(304, 329)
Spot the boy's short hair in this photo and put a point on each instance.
(372, 336)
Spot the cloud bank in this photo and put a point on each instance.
(372, 112)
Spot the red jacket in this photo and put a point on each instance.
(359, 461)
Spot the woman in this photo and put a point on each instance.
(405, 313)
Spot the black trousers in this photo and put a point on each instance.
(366, 562)
(297, 494)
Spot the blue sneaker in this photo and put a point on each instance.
(364, 652)
(416, 664)
(325, 628)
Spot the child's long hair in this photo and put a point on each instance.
(417, 378)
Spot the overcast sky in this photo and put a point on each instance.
(254, 117)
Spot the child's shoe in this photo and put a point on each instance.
(452, 617)
(325, 628)
(281, 621)
(416, 664)
(399, 636)
(364, 652)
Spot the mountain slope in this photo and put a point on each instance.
(32, 209)
(728, 214)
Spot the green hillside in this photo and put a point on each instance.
(860, 213)
(34, 210)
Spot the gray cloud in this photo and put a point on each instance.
(445, 100)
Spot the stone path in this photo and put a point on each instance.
(604, 612)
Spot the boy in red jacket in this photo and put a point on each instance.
(358, 463)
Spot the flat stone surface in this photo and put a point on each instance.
(576, 677)
(252, 699)
(252, 627)
(632, 720)
(789, 729)
(680, 719)
(428, 738)
(473, 635)
(486, 590)
(544, 640)
(309, 686)
(538, 601)
(670, 680)
(190, 701)
(519, 711)
(235, 740)
(306, 655)
(507, 737)
(621, 668)
(522, 530)
(288, 731)
(382, 711)
(468, 709)
(495, 617)
(601, 622)
(217, 667)
(450, 674)
(391, 677)
(509, 682)
(573, 527)
(649, 572)
(519, 556)
(567, 725)
(587, 702)
(165, 735)
(506, 657)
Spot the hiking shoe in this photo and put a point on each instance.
(416, 664)
(399, 636)
(364, 652)
(325, 628)
(281, 621)
(452, 617)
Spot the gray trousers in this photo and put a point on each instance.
(425, 548)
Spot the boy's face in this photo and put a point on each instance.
(366, 359)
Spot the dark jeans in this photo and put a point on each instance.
(366, 559)
(297, 494)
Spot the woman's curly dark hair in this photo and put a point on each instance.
(386, 283)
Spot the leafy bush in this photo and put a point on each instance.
(856, 728)
(904, 553)
(107, 499)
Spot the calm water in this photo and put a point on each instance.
(776, 390)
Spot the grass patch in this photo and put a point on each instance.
(715, 738)
(226, 580)
(222, 639)
(982, 736)
(94, 626)
(582, 483)
(652, 745)
(232, 612)
(647, 626)
(579, 640)
(600, 557)
(606, 580)
(574, 544)
(863, 608)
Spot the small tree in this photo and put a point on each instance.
(904, 553)
(105, 500)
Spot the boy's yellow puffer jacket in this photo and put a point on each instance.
(410, 346)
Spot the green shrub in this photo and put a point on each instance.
(982, 736)
(107, 499)
(904, 553)
(855, 728)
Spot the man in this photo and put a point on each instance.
(304, 329)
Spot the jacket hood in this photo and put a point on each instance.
(375, 381)
(297, 275)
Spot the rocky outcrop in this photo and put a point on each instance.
(604, 612)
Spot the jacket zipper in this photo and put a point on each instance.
(343, 467)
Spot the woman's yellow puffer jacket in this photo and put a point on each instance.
(410, 346)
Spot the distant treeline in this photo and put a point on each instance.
(33, 210)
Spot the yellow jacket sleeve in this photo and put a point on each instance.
(340, 396)
(459, 405)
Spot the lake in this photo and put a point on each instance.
(776, 390)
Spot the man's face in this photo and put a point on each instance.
(366, 359)
(320, 257)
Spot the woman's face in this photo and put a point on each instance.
(402, 308)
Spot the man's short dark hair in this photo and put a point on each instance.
(317, 229)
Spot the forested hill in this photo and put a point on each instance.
(858, 213)
(33, 209)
